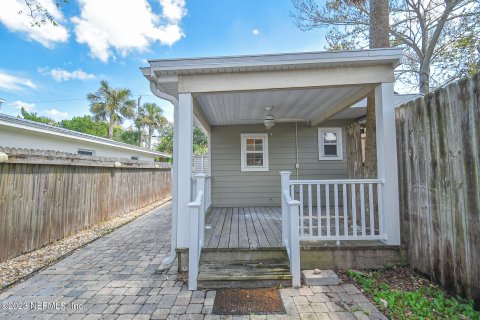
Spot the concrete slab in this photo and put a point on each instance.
(320, 277)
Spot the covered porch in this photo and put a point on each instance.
(277, 160)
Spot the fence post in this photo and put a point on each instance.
(200, 177)
(193, 250)
(295, 243)
(284, 186)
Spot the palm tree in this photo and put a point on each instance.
(150, 116)
(111, 104)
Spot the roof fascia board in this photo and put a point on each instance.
(289, 79)
(379, 56)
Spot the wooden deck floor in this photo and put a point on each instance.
(249, 227)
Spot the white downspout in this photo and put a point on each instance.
(173, 246)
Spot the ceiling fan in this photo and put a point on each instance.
(270, 120)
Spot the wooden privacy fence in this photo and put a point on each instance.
(439, 170)
(46, 196)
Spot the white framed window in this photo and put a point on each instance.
(254, 153)
(330, 144)
(134, 158)
(86, 152)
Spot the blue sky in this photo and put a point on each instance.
(50, 70)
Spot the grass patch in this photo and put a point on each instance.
(424, 301)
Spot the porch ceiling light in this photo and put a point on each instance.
(269, 121)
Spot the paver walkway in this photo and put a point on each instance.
(116, 277)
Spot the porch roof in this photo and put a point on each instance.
(309, 86)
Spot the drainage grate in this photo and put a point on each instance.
(248, 301)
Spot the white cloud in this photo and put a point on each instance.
(56, 114)
(20, 104)
(124, 26)
(173, 10)
(14, 15)
(63, 75)
(256, 32)
(10, 82)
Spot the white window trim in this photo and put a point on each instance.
(243, 138)
(321, 154)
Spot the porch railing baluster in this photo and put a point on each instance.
(337, 214)
(310, 212)
(319, 211)
(362, 208)
(327, 208)
(370, 208)
(345, 211)
(302, 218)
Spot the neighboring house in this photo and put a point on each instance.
(20, 133)
(279, 186)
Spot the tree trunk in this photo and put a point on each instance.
(379, 25)
(370, 169)
(110, 128)
(424, 83)
(150, 134)
(379, 38)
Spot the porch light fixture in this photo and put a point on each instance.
(269, 121)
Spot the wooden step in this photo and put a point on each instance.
(241, 254)
(244, 274)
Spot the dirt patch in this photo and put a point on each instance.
(248, 301)
(398, 278)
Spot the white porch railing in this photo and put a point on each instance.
(329, 210)
(207, 191)
(348, 209)
(197, 210)
(290, 228)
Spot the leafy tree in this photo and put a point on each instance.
(86, 124)
(150, 116)
(112, 105)
(431, 31)
(32, 116)
(166, 138)
(200, 140)
(131, 137)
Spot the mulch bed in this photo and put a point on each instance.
(398, 278)
(248, 301)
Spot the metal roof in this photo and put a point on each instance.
(377, 56)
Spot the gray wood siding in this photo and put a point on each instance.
(231, 187)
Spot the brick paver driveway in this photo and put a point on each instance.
(116, 277)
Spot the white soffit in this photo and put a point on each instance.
(359, 109)
(249, 107)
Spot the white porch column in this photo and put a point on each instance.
(184, 161)
(387, 161)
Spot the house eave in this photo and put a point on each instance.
(14, 122)
(390, 56)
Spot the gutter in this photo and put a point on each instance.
(173, 242)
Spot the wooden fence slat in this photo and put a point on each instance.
(44, 201)
(439, 177)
